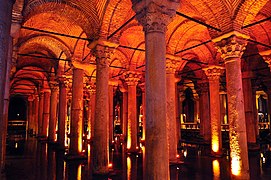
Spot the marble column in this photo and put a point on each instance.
(41, 104)
(76, 124)
(46, 113)
(204, 108)
(92, 107)
(231, 46)
(124, 112)
(103, 51)
(213, 73)
(111, 110)
(62, 111)
(30, 117)
(131, 79)
(249, 110)
(53, 111)
(155, 16)
(36, 114)
(171, 65)
(5, 23)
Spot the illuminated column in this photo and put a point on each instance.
(5, 23)
(92, 101)
(111, 84)
(204, 108)
(248, 103)
(53, 111)
(213, 73)
(62, 112)
(46, 113)
(124, 112)
(171, 65)
(76, 124)
(155, 18)
(36, 114)
(41, 103)
(30, 117)
(103, 52)
(131, 79)
(143, 89)
(231, 47)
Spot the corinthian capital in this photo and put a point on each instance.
(231, 45)
(214, 72)
(155, 15)
(132, 78)
(172, 63)
(267, 57)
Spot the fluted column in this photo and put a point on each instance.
(213, 73)
(204, 108)
(46, 113)
(131, 79)
(53, 111)
(155, 16)
(172, 64)
(76, 124)
(103, 52)
(249, 110)
(41, 103)
(231, 46)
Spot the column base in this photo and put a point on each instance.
(175, 162)
(216, 155)
(133, 151)
(42, 138)
(102, 172)
(75, 157)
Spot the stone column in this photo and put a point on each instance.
(103, 52)
(231, 47)
(5, 23)
(53, 111)
(46, 113)
(30, 117)
(92, 107)
(36, 114)
(76, 125)
(41, 103)
(155, 17)
(131, 79)
(171, 65)
(248, 102)
(143, 89)
(62, 112)
(124, 112)
(213, 73)
(111, 109)
(204, 108)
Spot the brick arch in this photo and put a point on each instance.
(80, 13)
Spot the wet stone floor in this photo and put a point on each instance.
(33, 160)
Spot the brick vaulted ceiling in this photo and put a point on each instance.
(92, 19)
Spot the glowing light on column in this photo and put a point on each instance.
(216, 169)
(129, 167)
(235, 166)
(79, 172)
(215, 139)
(129, 135)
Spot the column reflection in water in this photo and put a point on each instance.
(216, 169)
(132, 167)
(74, 170)
(51, 170)
(60, 165)
(41, 161)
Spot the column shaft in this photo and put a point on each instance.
(124, 114)
(46, 114)
(132, 123)
(93, 106)
(30, 116)
(62, 115)
(53, 114)
(76, 129)
(36, 115)
(111, 110)
(41, 104)
(171, 116)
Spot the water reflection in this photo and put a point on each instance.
(39, 161)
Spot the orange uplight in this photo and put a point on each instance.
(216, 169)
(235, 166)
(110, 165)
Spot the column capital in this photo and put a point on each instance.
(267, 57)
(214, 72)
(172, 64)
(54, 86)
(132, 77)
(113, 82)
(203, 87)
(231, 45)
(155, 15)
